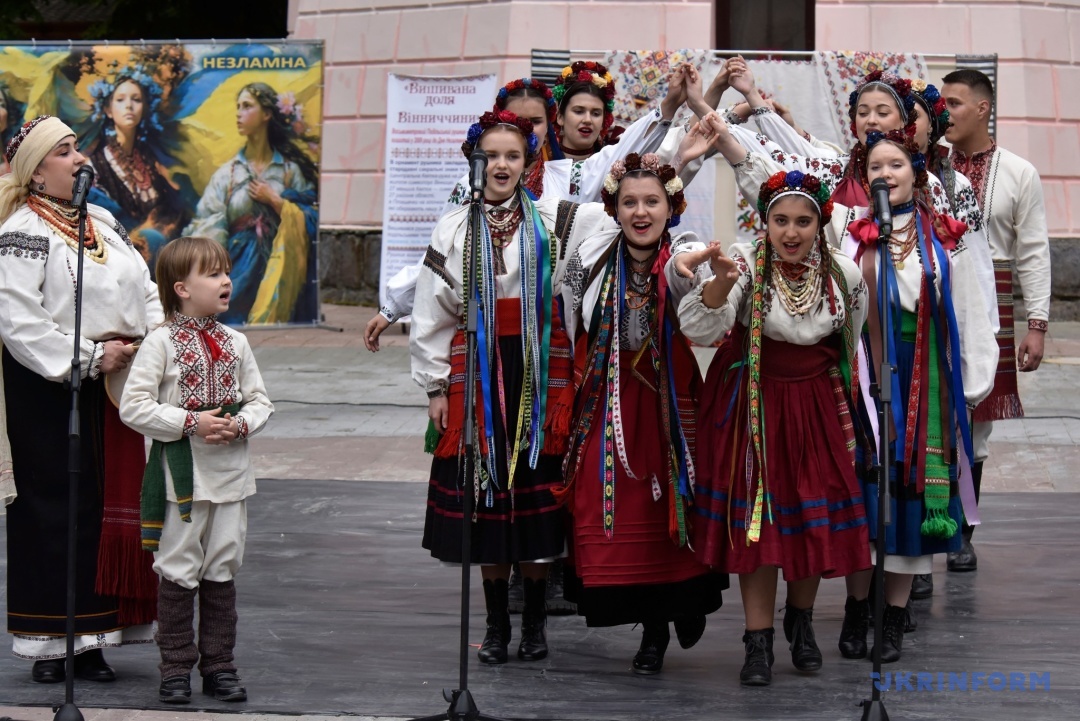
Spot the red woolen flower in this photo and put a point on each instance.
(903, 86)
(874, 76)
(939, 106)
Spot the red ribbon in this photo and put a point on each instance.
(211, 345)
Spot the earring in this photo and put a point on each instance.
(41, 187)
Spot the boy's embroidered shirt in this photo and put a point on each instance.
(206, 359)
(190, 364)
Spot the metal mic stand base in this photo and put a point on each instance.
(68, 712)
(874, 711)
(462, 708)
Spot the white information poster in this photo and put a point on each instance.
(426, 122)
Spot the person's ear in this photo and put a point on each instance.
(181, 290)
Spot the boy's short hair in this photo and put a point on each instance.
(178, 259)
(974, 79)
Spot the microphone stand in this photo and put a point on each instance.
(462, 706)
(874, 708)
(69, 711)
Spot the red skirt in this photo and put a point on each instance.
(641, 550)
(818, 523)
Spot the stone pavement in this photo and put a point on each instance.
(349, 415)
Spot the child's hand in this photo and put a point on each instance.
(228, 430)
(211, 425)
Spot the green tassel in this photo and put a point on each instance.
(431, 438)
(938, 522)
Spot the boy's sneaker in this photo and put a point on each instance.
(224, 686)
(175, 689)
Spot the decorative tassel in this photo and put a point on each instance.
(938, 522)
(431, 437)
(449, 445)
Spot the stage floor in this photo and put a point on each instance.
(342, 612)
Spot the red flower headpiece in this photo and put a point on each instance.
(550, 105)
(583, 73)
(489, 120)
(899, 88)
(795, 182)
(905, 139)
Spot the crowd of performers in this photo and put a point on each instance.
(598, 442)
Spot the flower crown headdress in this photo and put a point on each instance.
(585, 72)
(102, 90)
(18, 138)
(649, 163)
(899, 88)
(550, 104)
(783, 183)
(929, 97)
(489, 120)
(905, 139)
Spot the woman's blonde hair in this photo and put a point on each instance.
(179, 259)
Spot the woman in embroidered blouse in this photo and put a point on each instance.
(38, 240)
(131, 182)
(776, 479)
(944, 350)
(630, 514)
(261, 206)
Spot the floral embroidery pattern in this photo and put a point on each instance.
(204, 382)
(24, 245)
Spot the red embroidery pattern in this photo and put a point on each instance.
(976, 167)
(204, 381)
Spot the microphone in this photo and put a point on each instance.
(879, 191)
(478, 170)
(84, 178)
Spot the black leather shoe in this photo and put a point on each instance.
(799, 631)
(493, 650)
(48, 671)
(963, 560)
(555, 595)
(853, 631)
(922, 586)
(689, 629)
(650, 656)
(91, 666)
(533, 646)
(757, 668)
(224, 686)
(175, 689)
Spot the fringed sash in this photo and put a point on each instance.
(1004, 401)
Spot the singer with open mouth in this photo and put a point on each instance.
(39, 243)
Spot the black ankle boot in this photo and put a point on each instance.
(922, 586)
(493, 649)
(533, 620)
(649, 658)
(853, 632)
(892, 633)
(757, 669)
(799, 631)
(91, 666)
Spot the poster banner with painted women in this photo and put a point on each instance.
(210, 139)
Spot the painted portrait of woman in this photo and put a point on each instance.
(261, 205)
(132, 154)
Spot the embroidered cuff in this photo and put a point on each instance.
(731, 117)
(436, 393)
(746, 162)
(763, 110)
(96, 356)
(241, 427)
(390, 315)
(191, 423)
(1034, 324)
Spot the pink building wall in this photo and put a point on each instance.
(1038, 44)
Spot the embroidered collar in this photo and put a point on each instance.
(904, 208)
(187, 321)
(961, 158)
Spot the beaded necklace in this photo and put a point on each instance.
(63, 217)
(799, 290)
(902, 242)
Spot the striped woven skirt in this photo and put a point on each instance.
(818, 523)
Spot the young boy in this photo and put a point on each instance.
(195, 377)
